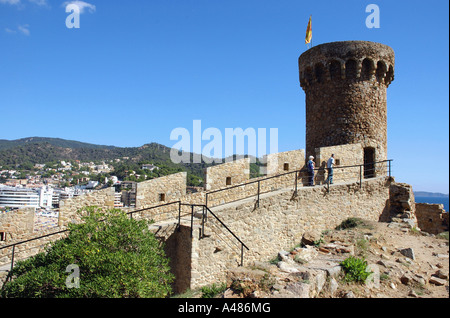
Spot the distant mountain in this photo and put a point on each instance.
(43, 150)
(33, 150)
(58, 142)
(430, 194)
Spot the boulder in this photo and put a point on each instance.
(310, 237)
(319, 281)
(437, 281)
(406, 279)
(283, 255)
(333, 286)
(441, 274)
(298, 290)
(306, 254)
(408, 252)
(287, 267)
(339, 247)
(334, 271)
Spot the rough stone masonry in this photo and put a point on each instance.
(345, 85)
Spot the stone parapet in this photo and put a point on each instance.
(432, 218)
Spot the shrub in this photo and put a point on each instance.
(443, 235)
(116, 257)
(349, 223)
(355, 269)
(213, 290)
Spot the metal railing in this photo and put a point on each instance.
(26, 241)
(363, 169)
(204, 220)
(206, 209)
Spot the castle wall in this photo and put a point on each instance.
(161, 190)
(432, 218)
(280, 222)
(17, 223)
(25, 250)
(282, 162)
(235, 172)
(344, 155)
(68, 209)
(178, 248)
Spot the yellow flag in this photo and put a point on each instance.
(308, 32)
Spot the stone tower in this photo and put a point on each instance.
(345, 85)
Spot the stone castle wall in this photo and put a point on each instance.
(279, 222)
(68, 209)
(432, 218)
(161, 190)
(17, 223)
(282, 162)
(227, 174)
(344, 155)
(174, 189)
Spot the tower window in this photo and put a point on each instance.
(228, 181)
(381, 71)
(335, 70)
(367, 69)
(320, 73)
(162, 197)
(286, 166)
(350, 69)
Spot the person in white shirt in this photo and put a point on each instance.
(330, 165)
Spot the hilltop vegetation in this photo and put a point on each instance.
(23, 153)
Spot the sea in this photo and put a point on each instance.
(438, 200)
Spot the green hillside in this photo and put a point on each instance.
(29, 151)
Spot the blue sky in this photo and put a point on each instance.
(135, 70)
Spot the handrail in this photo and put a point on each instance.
(237, 238)
(152, 207)
(205, 206)
(226, 227)
(296, 178)
(290, 172)
(131, 216)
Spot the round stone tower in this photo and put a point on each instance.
(345, 85)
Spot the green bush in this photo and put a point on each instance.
(443, 235)
(116, 257)
(213, 290)
(355, 269)
(349, 223)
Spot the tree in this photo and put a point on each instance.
(116, 257)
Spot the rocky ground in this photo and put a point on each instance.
(404, 262)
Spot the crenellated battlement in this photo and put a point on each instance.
(347, 61)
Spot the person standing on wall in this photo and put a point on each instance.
(311, 166)
(330, 164)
